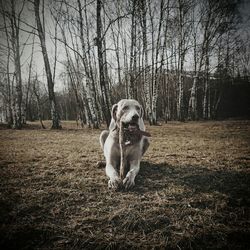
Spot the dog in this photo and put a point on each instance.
(130, 113)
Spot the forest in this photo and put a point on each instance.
(73, 59)
(64, 64)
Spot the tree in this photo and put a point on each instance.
(156, 73)
(183, 11)
(7, 92)
(101, 62)
(11, 18)
(216, 17)
(41, 33)
(36, 92)
(146, 81)
(90, 82)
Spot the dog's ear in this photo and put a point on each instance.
(142, 111)
(114, 111)
(112, 124)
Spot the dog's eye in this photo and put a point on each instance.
(125, 107)
(137, 108)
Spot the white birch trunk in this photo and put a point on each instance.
(17, 64)
(180, 105)
(132, 60)
(180, 101)
(53, 106)
(192, 106)
(147, 90)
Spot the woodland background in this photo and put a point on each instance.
(67, 60)
(73, 59)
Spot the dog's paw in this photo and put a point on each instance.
(129, 182)
(115, 183)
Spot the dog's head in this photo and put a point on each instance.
(129, 112)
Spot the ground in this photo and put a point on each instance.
(192, 191)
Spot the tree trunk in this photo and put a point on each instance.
(157, 74)
(192, 105)
(146, 66)
(180, 104)
(180, 101)
(18, 74)
(205, 112)
(37, 95)
(28, 83)
(74, 81)
(93, 79)
(9, 89)
(90, 92)
(132, 60)
(53, 106)
(102, 78)
(116, 44)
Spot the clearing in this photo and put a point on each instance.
(193, 190)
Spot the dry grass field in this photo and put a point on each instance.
(192, 192)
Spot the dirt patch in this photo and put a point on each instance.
(192, 191)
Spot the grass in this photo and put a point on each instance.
(192, 191)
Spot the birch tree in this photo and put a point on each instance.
(8, 91)
(90, 83)
(11, 16)
(156, 74)
(146, 81)
(101, 62)
(132, 58)
(216, 18)
(52, 99)
(36, 91)
(183, 27)
(28, 87)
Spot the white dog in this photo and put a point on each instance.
(130, 113)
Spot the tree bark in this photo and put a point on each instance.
(53, 105)
(17, 122)
(157, 74)
(146, 65)
(102, 77)
(180, 101)
(90, 91)
(9, 89)
(26, 106)
(132, 59)
(205, 108)
(39, 110)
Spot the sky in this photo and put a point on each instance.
(28, 17)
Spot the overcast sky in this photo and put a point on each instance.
(28, 16)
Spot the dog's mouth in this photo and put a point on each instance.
(131, 126)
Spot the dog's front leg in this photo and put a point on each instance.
(114, 180)
(129, 180)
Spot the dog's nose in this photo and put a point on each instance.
(135, 117)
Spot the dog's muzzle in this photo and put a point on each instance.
(132, 125)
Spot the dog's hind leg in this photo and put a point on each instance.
(103, 137)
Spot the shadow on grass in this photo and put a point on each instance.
(197, 181)
(155, 177)
(231, 186)
(24, 238)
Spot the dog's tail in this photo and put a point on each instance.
(103, 137)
